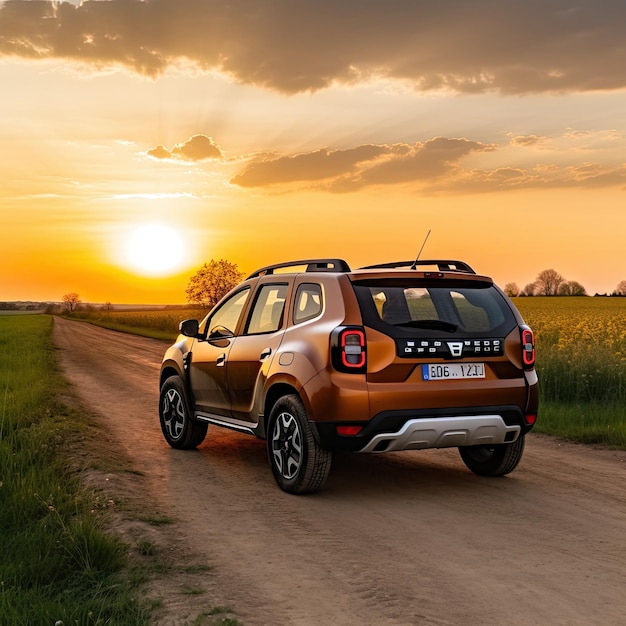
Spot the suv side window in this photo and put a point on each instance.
(227, 316)
(267, 312)
(308, 302)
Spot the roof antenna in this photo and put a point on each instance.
(414, 266)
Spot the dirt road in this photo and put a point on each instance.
(404, 538)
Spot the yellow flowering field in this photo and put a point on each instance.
(581, 347)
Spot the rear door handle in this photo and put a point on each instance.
(265, 354)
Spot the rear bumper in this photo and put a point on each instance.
(417, 430)
(445, 432)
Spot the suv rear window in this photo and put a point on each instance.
(474, 309)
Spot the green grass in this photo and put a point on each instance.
(57, 564)
(592, 423)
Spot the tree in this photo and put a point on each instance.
(71, 301)
(548, 283)
(577, 288)
(529, 290)
(511, 290)
(212, 281)
(621, 289)
(572, 288)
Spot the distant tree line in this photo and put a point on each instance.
(551, 283)
(22, 306)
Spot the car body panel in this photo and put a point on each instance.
(208, 375)
(249, 363)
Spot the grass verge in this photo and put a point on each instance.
(593, 423)
(79, 544)
(58, 565)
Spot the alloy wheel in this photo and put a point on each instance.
(287, 445)
(173, 414)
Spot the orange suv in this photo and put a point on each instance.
(315, 357)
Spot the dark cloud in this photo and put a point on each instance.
(196, 148)
(507, 45)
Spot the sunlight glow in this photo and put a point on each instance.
(154, 250)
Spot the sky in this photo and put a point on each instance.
(141, 139)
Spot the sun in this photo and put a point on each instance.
(154, 250)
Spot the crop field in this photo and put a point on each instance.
(159, 324)
(581, 362)
(581, 347)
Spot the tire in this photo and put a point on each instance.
(493, 460)
(179, 429)
(298, 462)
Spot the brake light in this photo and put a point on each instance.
(528, 347)
(353, 348)
(348, 349)
(346, 431)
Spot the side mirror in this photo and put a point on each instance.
(189, 328)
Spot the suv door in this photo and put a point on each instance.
(252, 352)
(207, 371)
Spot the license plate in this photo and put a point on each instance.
(452, 371)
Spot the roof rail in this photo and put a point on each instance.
(312, 265)
(442, 264)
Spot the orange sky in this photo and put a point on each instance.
(240, 132)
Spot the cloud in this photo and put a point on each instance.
(310, 166)
(525, 140)
(352, 169)
(441, 165)
(160, 152)
(586, 176)
(196, 148)
(422, 161)
(505, 45)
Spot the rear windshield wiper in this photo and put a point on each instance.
(448, 327)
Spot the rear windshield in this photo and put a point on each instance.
(467, 310)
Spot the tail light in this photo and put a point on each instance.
(531, 418)
(348, 349)
(528, 347)
(349, 431)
